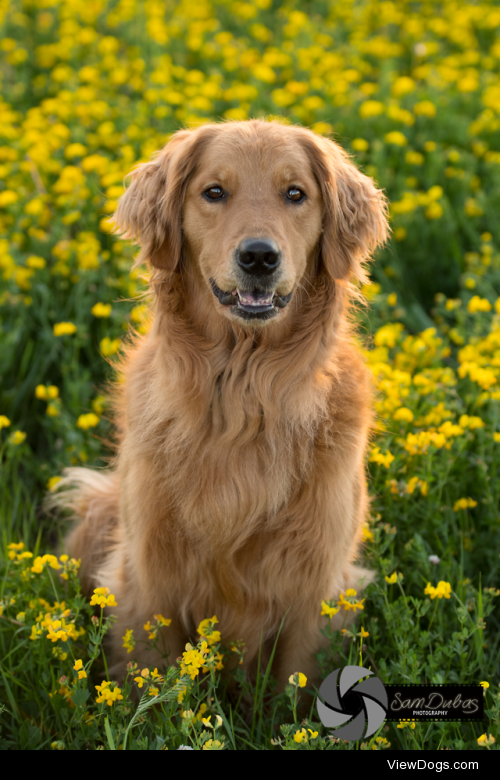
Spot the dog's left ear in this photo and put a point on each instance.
(150, 209)
(355, 211)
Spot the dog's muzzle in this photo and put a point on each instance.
(252, 303)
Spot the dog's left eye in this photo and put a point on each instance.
(214, 193)
(295, 195)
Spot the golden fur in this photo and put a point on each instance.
(239, 486)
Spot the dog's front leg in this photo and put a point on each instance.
(336, 505)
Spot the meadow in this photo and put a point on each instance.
(411, 90)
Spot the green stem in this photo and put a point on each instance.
(433, 616)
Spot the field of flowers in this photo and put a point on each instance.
(411, 89)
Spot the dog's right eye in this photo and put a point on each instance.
(214, 193)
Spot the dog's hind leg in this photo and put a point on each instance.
(92, 498)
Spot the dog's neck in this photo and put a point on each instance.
(278, 367)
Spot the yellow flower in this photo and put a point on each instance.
(470, 422)
(102, 598)
(64, 329)
(128, 640)
(40, 562)
(392, 579)
(382, 460)
(206, 630)
(414, 158)
(363, 633)
(430, 591)
(478, 304)
(313, 734)
(36, 262)
(109, 346)
(298, 679)
(392, 299)
(75, 150)
(108, 694)
(300, 736)
(193, 660)
(162, 621)
(101, 310)
(425, 108)
(442, 590)
(485, 741)
(485, 684)
(7, 197)
(353, 604)
(78, 667)
(4, 421)
(152, 631)
(371, 108)
(213, 744)
(366, 535)
(328, 610)
(472, 208)
(403, 414)
(263, 72)
(387, 335)
(41, 392)
(53, 481)
(402, 86)
(17, 437)
(434, 211)
(464, 503)
(86, 421)
(395, 137)
(359, 144)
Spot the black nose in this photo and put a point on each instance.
(258, 256)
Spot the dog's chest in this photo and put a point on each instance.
(236, 475)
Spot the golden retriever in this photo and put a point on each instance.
(239, 485)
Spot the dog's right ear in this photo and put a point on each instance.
(149, 211)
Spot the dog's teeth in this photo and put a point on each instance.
(252, 301)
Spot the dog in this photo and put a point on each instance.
(243, 417)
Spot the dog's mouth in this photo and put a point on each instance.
(249, 304)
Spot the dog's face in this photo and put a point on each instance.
(252, 221)
(253, 209)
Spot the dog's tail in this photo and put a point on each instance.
(92, 500)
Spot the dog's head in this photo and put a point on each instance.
(253, 208)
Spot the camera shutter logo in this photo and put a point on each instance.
(351, 706)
